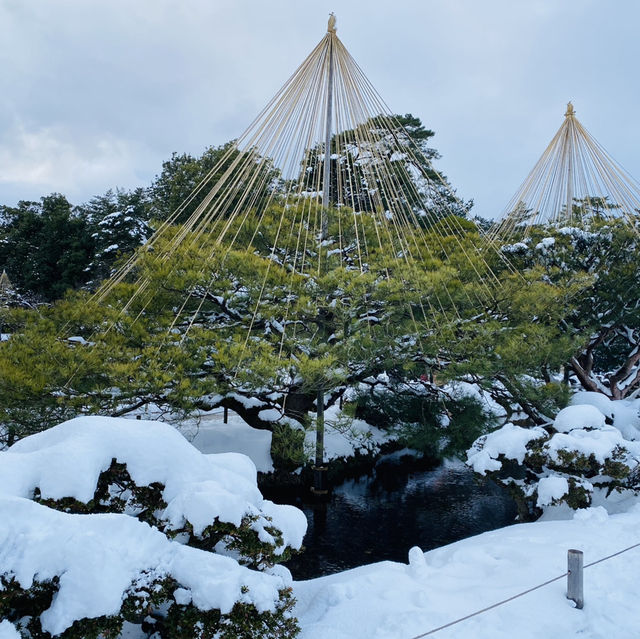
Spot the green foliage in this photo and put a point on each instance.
(287, 447)
(149, 602)
(602, 318)
(404, 182)
(24, 606)
(185, 180)
(45, 246)
(118, 225)
(423, 417)
(243, 622)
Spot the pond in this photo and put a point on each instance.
(382, 516)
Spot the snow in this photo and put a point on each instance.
(546, 243)
(98, 557)
(578, 416)
(625, 413)
(509, 441)
(345, 437)
(8, 630)
(490, 407)
(270, 415)
(66, 461)
(213, 436)
(389, 600)
(247, 402)
(550, 488)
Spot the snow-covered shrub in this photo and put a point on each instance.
(560, 463)
(109, 520)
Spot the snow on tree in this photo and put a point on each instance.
(118, 222)
(605, 314)
(106, 520)
(564, 462)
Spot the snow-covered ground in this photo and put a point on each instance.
(401, 601)
(343, 437)
(390, 600)
(209, 434)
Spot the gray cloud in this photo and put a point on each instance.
(97, 94)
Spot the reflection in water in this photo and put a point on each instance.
(382, 517)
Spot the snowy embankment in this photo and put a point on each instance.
(394, 601)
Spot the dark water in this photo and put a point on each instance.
(383, 516)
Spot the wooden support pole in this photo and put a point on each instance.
(575, 560)
(225, 417)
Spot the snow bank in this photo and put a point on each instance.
(66, 461)
(98, 557)
(390, 600)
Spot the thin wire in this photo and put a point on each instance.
(520, 594)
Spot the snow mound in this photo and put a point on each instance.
(98, 557)
(510, 441)
(603, 444)
(583, 416)
(550, 488)
(66, 461)
(625, 413)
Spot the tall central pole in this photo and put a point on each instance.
(569, 114)
(319, 480)
(326, 175)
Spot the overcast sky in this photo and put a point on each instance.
(95, 94)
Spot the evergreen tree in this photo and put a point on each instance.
(119, 225)
(185, 181)
(46, 246)
(389, 163)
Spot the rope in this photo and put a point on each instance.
(520, 594)
(575, 179)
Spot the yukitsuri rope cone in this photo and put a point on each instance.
(325, 183)
(574, 181)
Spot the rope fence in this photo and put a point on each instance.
(520, 594)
